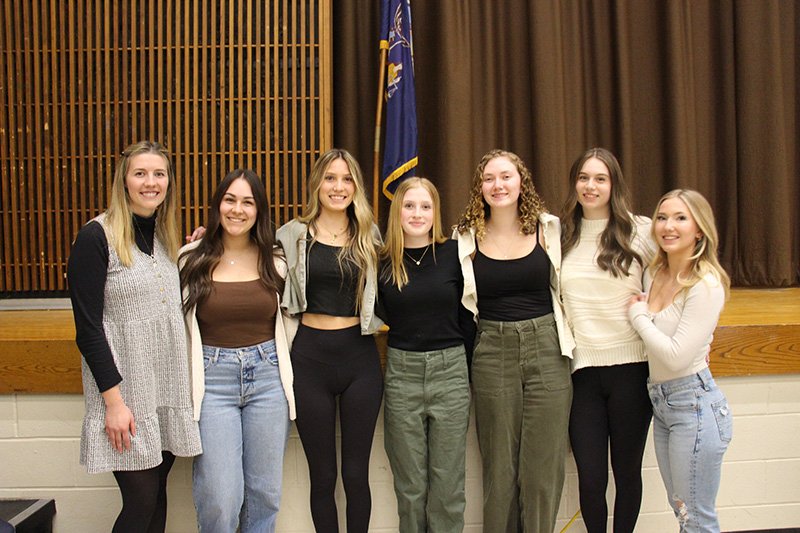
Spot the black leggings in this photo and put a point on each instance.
(610, 403)
(327, 364)
(144, 498)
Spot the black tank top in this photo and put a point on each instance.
(513, 289)
(331, 288)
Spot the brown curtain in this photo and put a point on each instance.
(695, 94)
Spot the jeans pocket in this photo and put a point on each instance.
(722, 414)
(684, 399)
(272, 357)
(207, 362)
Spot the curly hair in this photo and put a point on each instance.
(529, 206)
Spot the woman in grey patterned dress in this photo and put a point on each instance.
(126, 301)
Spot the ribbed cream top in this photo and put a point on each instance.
(596, 302)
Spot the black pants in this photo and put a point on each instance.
(144, 498)
(610, 403)
(345, 364)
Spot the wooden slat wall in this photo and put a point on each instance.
(224, 84)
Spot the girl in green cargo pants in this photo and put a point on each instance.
(426, 395)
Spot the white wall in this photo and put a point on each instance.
(39, 445)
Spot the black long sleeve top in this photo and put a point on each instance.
(427, 314)
(87, 270)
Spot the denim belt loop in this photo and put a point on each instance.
(704, 376)
(216, 354)
(261, 351)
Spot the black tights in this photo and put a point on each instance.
(144, 498)
(352, 371)
(610, 403)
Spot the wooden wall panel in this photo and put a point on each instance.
(224, 84)
(758, 334)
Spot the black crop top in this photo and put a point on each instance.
(331, 286)
(513, 289)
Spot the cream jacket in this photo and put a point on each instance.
(195, 347)
(292, 237)
(552, 246)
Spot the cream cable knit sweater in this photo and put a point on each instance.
(596, 302)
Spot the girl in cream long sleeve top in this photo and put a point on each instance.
(678, 337)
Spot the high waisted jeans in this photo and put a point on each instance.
(426, 416)
(523, 393)
(692, 427)
(244, 426)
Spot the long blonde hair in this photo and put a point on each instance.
(361, 248)
(394, 268)
(529, 205)
(119, 217)
(704, 259)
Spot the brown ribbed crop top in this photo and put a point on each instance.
(237, 314)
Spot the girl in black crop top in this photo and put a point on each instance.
(231, 284)
(332, 254)
(420, 288)
(520, 378)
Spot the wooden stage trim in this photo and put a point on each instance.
(759, 333)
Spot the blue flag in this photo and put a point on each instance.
(400, 146)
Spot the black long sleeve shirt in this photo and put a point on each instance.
(87, 270)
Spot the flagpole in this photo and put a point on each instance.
(378, 115)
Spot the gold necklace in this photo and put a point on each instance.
(505, 253)
(420, 257)
(230, 257)
(333, 235)
(152, 247)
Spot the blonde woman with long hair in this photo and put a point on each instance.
(126, 300)
(686, 291)
(331, 251)
(427, 398)
(510, 249)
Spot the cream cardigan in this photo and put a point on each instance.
(195, 347)
(552, 246)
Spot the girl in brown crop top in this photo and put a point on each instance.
(231, 284)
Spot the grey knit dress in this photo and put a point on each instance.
(144, 327)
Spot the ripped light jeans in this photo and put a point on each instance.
(692, 427)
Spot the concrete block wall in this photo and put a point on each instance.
(39, 446)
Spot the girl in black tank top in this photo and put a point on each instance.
(514, 289)
(520, 378)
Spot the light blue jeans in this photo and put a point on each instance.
(692, 427)
(244, 427)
